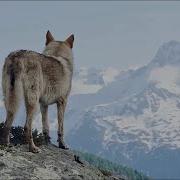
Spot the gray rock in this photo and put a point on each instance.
(51, 163)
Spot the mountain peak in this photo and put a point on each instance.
(168, 53)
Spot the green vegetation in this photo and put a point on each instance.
(17, 135)
(109, 168)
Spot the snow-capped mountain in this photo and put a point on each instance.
(133, 119)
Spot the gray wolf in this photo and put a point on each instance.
(41, 79)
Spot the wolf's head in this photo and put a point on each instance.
(58, 48)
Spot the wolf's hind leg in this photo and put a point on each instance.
(31, 103)
(4, 138)
(11, 101)
(30, 111)
(45, 124)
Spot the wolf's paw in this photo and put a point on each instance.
(61, 142)
(63, 146)
(34, 149)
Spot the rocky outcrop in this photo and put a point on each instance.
(51, 163)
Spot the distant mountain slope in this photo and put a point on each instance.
(90, 80)
(112, 168)
(135, 117)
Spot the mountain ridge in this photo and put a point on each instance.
(135, 115)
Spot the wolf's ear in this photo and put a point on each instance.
(49, 37)
(70, 41)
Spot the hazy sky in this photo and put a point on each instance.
(117, 34)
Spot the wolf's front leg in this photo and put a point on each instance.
(61, 105)
(45, 124)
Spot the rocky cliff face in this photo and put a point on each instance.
(51, 163)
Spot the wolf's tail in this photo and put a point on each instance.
(11, 85)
